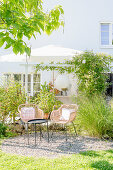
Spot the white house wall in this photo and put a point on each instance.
(82, 25)
(46, 76)
(11, 67)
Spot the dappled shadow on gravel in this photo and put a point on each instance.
(56, 147)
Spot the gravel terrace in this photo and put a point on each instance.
(56, 147)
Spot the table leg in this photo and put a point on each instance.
(25, 131)
(28, 133)
(48, 131)
(35, 133)
(40, 132)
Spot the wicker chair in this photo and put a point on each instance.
(56, 116)
(28, 112)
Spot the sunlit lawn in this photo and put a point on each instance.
(102, 160)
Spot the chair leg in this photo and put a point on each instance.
(25, 130)
(52, 135)
(33, 128)
(35, 134)
(52, 131)
(66, 133)
(48, 131)
(55, 125)
(27, 133)
(40, 132)
(74, 129)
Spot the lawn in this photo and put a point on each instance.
(102, 160)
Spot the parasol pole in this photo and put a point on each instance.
(26, 79)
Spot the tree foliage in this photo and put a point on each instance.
(25, 18)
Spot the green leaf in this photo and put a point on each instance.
(62, 23)
(61, 10)
(8, 46)
(21, 3)
(28, 51)
(19, 35)
(15, 50)
(2, 34)
(2, 42)
(34, 36)
(41, 25)
(16, 25)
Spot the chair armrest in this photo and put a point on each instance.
(72, 117)
(39, 113)
(55, 115)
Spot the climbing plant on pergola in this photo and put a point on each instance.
(90, 68)
(25, 18)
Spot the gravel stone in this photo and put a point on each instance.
(55, 148)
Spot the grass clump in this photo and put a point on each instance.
(3, 129)
(95, 116)
(84, 160)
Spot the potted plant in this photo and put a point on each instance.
(46, 100)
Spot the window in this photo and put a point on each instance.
(112, 34)
(7, 78)
(36, 83)
(106, 34)
(33, 81)
(17, 77)
(29, 82)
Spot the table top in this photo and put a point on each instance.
(37, 121)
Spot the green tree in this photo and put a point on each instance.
(25, 18)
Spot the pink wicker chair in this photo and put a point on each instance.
(30, 112)
(57, 118)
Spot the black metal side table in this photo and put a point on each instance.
(35, 122)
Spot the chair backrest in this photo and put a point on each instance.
(69, 106)
(29, 111)
(68, 110)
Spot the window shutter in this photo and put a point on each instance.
(104, 34)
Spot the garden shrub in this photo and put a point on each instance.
(3, 129)
(95, 116)
(11, 97)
